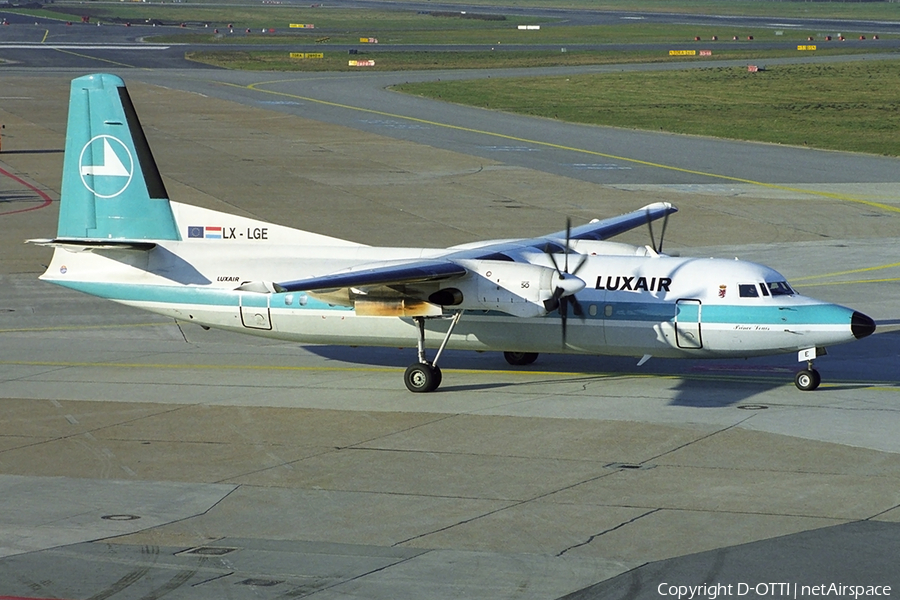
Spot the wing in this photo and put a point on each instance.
(413, 271)
(417, 271)
(607, 228)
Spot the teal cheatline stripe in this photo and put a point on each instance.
(651, 312)
(111, 187)
(155, 293)
(657, 312)
(809, 314)
(192, 295)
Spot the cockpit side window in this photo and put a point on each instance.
(780, 288)
(748, 290)
(765, 289)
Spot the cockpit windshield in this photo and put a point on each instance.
(780, 288)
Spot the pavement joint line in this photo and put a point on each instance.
(883, 512)
(834, 196)
(471, 453)
(88, 432)
(437, 419)
(515, 504)
(699, 439)
(610, 530)
(359, 576)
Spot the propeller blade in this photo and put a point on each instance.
(553, 260)
(576, 307)
(552, 303)
(564, 316)
(567, 284)
(580, 264)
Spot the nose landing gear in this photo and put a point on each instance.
(808, 379)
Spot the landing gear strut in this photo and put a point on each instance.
(425, 376)
(808, 379)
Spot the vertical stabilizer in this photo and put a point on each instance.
(111, 187)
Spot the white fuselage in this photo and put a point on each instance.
(635, 303)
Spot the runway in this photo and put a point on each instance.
(143, 458)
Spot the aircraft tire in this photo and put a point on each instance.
(422, 377)
(807, 380)
(438, 377)
(520, 359)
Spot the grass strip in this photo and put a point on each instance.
(851, 106)
(887, 11)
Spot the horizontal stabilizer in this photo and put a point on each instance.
(90, 245)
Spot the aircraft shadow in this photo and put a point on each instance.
(702, 384)
(161, 261)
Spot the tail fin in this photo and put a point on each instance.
(111, 187)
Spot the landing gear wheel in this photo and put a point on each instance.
(520, 358)
(422, 377)
(807, 380)
(438, 377)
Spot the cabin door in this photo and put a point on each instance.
(255, 311)
(687, 324)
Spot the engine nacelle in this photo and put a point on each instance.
(518, 289)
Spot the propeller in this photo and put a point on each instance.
(565, 284)
(662, 234)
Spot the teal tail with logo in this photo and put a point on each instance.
(111, 187)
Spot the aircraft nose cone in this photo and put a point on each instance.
(861, 325)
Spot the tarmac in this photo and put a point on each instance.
(142, 458)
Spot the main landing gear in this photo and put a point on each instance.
(520, 359)
(425, 376)
(808, 379)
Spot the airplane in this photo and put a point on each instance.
(120, 237)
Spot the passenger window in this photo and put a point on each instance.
(748, 290)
